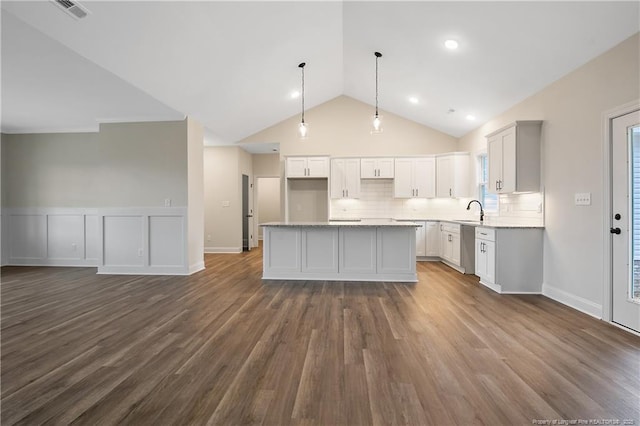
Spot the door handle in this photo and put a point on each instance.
(616, 231)
(249, 215)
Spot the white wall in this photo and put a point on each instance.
(572, 146)
(99, 199)
(341, 127)
(268, 200)
(223, 208)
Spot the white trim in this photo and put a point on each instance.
(495, 287)
(573, 301)
(145, 119)
(223, 250)
(196, 267)
(301, 276)
(141, 270)
(607, 277)
(38, 130)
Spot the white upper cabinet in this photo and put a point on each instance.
(514, 158)
(453, 175)
(345, 178)
(414, 177)
(309, 167)
(376, 168)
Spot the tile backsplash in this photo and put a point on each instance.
(376, 201)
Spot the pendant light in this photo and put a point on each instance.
(377, 119)
(303, 128)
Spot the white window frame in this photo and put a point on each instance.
(482, 195)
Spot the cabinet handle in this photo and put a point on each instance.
(347, 193)
(496, 185)
(417, 192)
(449, 192)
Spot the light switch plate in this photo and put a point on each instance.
(582, 198)
(225, 204)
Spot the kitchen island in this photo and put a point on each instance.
(340, 251)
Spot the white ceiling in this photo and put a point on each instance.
(233, 65)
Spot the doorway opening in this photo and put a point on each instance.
(247, 214)
(268, 207)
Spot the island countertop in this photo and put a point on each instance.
(344, 223)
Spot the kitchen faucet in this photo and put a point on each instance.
(481, 210)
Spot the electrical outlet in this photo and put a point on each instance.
(225, 204)
(139, 252)
(167, 202)
(208, 237)
(582, 198)
(74, 247)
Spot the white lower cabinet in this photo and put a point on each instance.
(428, 239)
(340, 253)
(433, 239)
(509, 260)
(450, 243)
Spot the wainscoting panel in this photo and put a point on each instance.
(27, 236)
(123, 241)
(145, 240)
(91, 242)
(65, 237)
(164, 232)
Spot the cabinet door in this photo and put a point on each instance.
(444, 180)
(481, 260)
(403, 183)
(490, 253)
(352, 177)
(337, 178)
(296, 167)
(368, 168)
(432, 239)
(494, 154)
(424, 177)
(508, 184)
(358, 250)
(386, 168)
(455, 249)
(445, 245)
(421, 239)
(319, 250)
(318, 167)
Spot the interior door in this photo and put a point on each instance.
(247, 214)
(625, 220)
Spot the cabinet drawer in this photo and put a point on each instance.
(453, 228)
(487, 234)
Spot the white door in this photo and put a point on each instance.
(425, 177)
(508, 179)
(317, 167)
(433, 239)
(368, 168)
(337, 178)
(444, 180)
(385, 168)
(494, 153)
(352, 178)
(296, 167)
(421, 239)
(625, 220)
(403, 182)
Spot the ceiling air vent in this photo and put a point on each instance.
(72, 8)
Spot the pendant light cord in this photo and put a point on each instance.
(302, 67)
(378, 55)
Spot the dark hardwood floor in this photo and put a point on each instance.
(222, 347)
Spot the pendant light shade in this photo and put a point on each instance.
(303, 128)
(377, 118)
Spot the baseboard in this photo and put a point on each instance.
(76, 263)
(223, 249)
(142, 270)
(196, 267)
(576, 302)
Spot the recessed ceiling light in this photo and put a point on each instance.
(295, 94)
(451, 44)
(471, 117)
(413, 100)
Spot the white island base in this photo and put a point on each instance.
(331, 251)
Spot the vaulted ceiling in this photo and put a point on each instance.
(233, 65)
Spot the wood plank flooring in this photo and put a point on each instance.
(222, 347)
